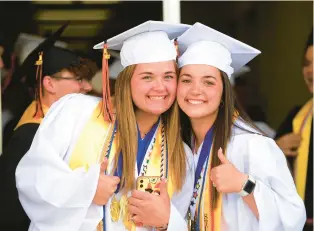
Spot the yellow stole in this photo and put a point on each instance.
(208, 220)
(302, 125)
(28, 115)
(92, 147)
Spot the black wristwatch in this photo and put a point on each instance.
(248, 187)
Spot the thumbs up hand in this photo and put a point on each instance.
(226, 177)
(150, 209)
(107, 185)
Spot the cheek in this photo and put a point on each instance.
(171, 87)
(182, 91)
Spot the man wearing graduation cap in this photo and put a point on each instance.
(295, 138)
(59, 72)
(61, 176)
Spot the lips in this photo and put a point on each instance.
(157, 97)
(195, 101)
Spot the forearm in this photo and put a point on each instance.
(250, 201)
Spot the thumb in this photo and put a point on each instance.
(222, 158)
(104, 165)
(163, 188)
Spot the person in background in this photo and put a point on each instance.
(295, 138)
(255, 112)
(63, 72)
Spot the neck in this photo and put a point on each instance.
(201, 126)
(48, 100)
(145, 121)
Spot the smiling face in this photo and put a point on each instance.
(199, 92)
(308, 68)
(153, 87)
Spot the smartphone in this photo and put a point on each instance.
(149, 184)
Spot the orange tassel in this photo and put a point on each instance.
(107, 106)
(39, 91)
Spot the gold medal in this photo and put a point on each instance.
(191, 222)
(125, 213)
(115, 209)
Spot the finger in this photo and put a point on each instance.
(111, 180)
(163, 188)
(294, 139)
(134, 201)
(134, 210)
(291, 153)
(115, 179)
(213, 173)
(104, 165)
(222, 158)
(141, 195)
(137, 219)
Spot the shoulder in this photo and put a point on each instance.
(76, 101)
(71, 107)
(26, 130)
(256, 148)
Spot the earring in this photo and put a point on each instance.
(222, 103)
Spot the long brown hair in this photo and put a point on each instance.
(229, 107)
(127, 135)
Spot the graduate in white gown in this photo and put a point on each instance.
(63, 181)
(242, 182)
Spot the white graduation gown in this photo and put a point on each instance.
(279, 205)
(58, 198)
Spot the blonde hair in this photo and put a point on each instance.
(127, 134)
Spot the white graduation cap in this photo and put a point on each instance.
(204, 45)
(148, 42)
(26, 43)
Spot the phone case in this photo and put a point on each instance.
(149, 184)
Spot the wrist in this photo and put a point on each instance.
(248, 186)
(242, 180)
(165, 221)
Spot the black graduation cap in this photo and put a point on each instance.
(28, 67)
(54, 59)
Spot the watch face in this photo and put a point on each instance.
(249, 186)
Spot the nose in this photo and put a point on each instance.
(195, 89)
(159, 85)
(86, 86)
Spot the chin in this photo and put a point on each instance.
(194, 114)
(157, 112)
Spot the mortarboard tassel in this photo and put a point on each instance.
(38, 92)
(107, 107)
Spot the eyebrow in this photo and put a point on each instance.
(151, 73)
(205, 77)
(209, 76)
(187, 75)
(145, 73)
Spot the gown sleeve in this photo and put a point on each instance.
(54, 196)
